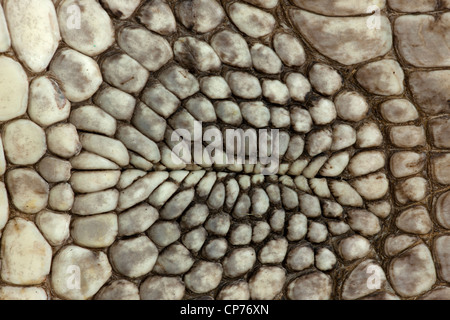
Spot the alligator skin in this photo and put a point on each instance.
(358, 209)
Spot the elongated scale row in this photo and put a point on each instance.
(110, 111)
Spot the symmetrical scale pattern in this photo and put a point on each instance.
(93, 204)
